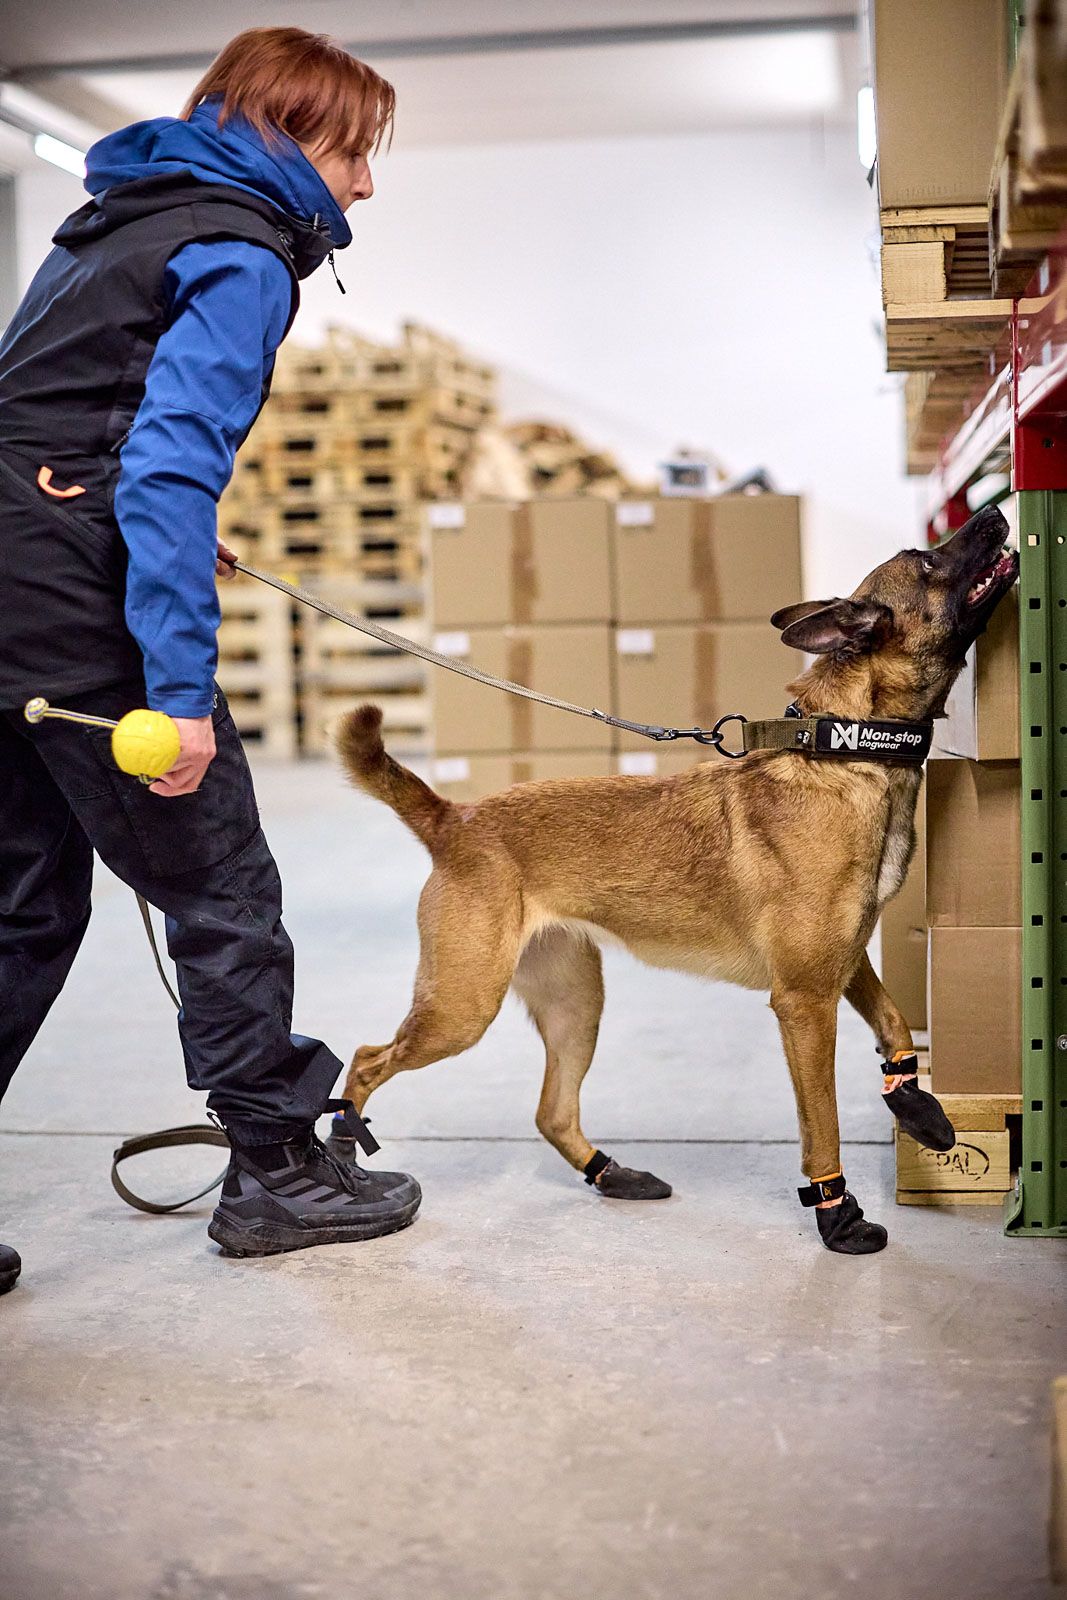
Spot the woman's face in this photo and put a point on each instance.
(346, 176)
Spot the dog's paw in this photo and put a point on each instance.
(844, 1229)
(920, 1115)
(623, 1183)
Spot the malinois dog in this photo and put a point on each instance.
(770, 871)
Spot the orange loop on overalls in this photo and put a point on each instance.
(44, 481)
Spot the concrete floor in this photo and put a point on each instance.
(532, 1393)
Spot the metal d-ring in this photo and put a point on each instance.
(715, 736)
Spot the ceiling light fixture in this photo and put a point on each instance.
(866, 133)
(60, 154)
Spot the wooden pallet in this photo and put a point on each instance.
(934, 406)
(944, 335)
(1028, 189)
(256, 667)
(935, 253)
(341, 667)
(978, 1171)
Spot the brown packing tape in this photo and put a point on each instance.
(521, 770)
(523, 570)
(702, 566)
(705, 675)
(520, 670)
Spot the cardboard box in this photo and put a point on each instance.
(731, 559)
(904, 936)
(940, 79)
(680, 674)
(463, 777)
(981, 718)
(975, 1010)
(538, 561)
(571, 662)
(972, 818)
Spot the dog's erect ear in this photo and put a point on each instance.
(840, 627)
(804, 608)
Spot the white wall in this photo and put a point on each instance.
(714, 290)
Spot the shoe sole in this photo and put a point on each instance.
(8, 1280)
(269, 1239)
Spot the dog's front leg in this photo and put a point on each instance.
(917, 1112)
(808, 1021)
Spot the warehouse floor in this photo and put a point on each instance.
(533, 1392)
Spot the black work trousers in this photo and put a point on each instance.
(202, 860)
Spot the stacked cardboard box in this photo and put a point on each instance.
(655, 610)
(972, 815)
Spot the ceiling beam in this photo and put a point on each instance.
(468, 44)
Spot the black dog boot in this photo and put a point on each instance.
(295, 1194)
(842, 1228)
(918, 1113)
(10, 1267)
(623, 1183)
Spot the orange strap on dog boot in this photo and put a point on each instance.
(917, 1112)
(623, 1183)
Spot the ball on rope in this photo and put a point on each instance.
(145, 744)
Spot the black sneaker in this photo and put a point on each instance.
(293, 1195)
(10, 1267)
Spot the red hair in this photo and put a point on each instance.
(302, 83)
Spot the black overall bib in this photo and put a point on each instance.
(73, 364)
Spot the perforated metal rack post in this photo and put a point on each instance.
(1039, 1205)
(1022, 416)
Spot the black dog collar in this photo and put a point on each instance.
(840, 739)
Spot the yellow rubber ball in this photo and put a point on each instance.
(145, 744)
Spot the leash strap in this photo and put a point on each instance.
(397, 641)
(190, 1133)
(146, 918)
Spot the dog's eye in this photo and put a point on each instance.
(929, 564)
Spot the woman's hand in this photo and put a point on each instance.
(224, 566)
(197, 752)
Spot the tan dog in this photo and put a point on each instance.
(770, 872)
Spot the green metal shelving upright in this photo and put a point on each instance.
(1039, 1205)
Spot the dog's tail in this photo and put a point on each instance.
(372, 768)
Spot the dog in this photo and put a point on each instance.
(769, 871)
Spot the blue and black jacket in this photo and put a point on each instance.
(131, 372)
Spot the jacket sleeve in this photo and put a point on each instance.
(229, 303)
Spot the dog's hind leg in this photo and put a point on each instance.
(470, 927)
(560, 981)
(918, 1112)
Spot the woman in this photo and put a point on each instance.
(129, 376)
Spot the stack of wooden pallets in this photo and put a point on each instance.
(329, 489)
(972, 169)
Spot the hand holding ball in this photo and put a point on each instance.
(145, 744)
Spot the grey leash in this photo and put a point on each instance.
(397, 641)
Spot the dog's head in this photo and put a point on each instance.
(914, 617)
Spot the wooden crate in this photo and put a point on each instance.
(978, 1171)
(256, 667)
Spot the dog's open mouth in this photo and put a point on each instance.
(987, 582)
